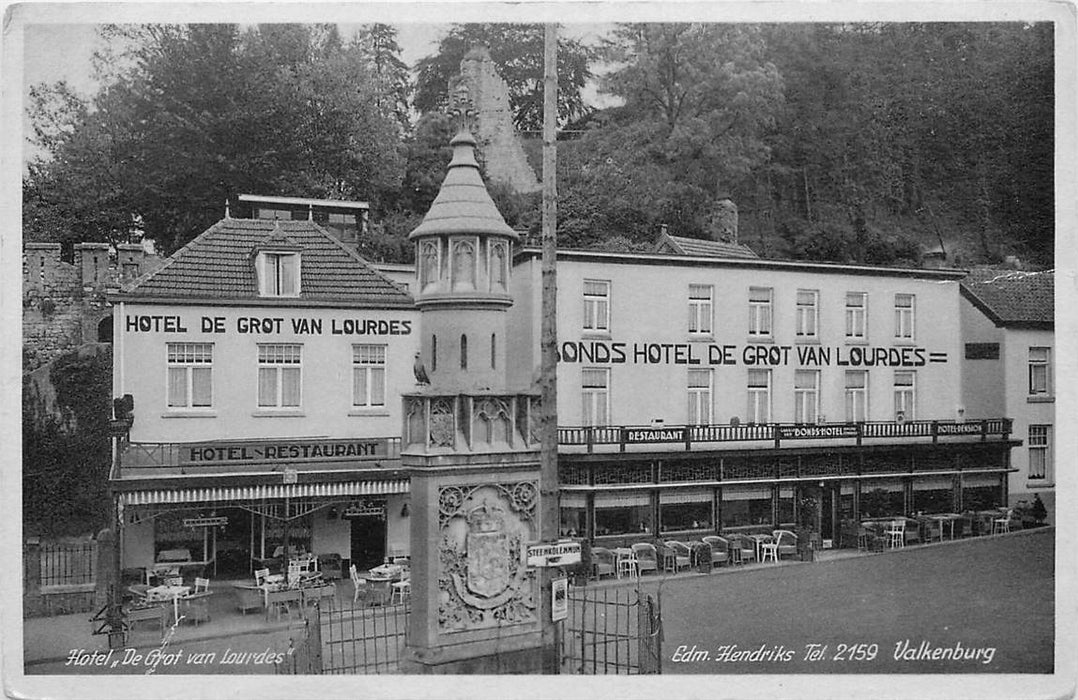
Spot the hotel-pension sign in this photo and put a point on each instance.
(240, 452)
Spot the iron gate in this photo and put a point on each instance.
(341, 637)
(612, 630)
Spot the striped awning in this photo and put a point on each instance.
(264, 491)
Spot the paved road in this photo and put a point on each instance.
(983, 594)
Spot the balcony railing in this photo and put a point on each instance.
(690, 435)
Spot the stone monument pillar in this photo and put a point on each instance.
(471, 446)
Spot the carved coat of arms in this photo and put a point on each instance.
(488, 556)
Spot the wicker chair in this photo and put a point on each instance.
(602, 562)
(647, 558)
(787, 542)
(745, 546)
(682, 554)
(720, 549)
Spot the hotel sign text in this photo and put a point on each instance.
(638, 435)
(769, 355)
(284, 451)
(808, 432)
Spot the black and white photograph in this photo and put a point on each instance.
(602, 343)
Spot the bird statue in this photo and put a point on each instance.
(420, 371)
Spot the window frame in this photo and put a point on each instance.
(807, 398)
(425, 281)
(702, 310)
(807, 315)
(1038, 364)
(906, 316)
(368, 367)
(754, 391)
(854, 392)
(910, 411)
(596, 300)
(700, 397)
(1042, 447)
(590, 395)
(755, 307)
(189, 375)
(269, 261)
(454, 284)
(279, 366)
(851, 316)
(492, 245)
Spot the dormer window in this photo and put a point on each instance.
(278, 274)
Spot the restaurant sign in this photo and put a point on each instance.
(205, 522)
(261, 451)
(639, 435)
(958, 428)
(811, 432)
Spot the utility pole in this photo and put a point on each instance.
(548, 454)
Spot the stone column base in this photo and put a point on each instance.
(518, 661)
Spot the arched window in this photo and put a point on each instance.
(463, 351)
(499, 267)
(493, 351)
(428, 258)
(104, 330)
(463, 265)
(434, 353)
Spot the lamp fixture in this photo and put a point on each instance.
(404, 510)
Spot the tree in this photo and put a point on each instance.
(201, 113)
(517, 51)
(392, 78)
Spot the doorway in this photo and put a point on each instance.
(368, 541)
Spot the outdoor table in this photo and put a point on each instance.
(949, 518)
(379, 585)
(759, 541)
(282, 595)
(389, 571)
(142, 612)
(173, 593)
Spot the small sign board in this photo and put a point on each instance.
(958, 428)
(205, 522)
(562, 553)
(809, 432)
(559, 599)
(291, 476)
(640, 435)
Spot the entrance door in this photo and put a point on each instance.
(827, 513)
(368, 541)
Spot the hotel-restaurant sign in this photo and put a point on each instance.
(283, 451)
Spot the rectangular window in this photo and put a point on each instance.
(190, 375)
(856, 315)
(700, 308)
(856, 396)
(1039, 451)
(759, 396)
(595, 387)
(905, 395)
(368, 375)
(596, 305)
(759, 311)
(1040, 371)
(806, 395)
(904, 308)
(280, 274)
(808, 313)
(700, 397)
(279, 367)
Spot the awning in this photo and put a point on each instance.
(264, 491)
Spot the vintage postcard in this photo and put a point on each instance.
(696, 349)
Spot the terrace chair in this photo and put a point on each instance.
(746, 546)
(682, 554)
(720, 549)
(786, 543)
(647, 557)
(198, 606)
(1002, 524)
(602, 562)
(896, 534)
(358, 583)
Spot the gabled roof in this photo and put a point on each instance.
(219, 267)
(1013, 298)
(679, 245)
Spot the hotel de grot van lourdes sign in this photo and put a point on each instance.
(767, 355)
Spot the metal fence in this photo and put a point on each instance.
(612, 631)
(67, 564)
(344, 638)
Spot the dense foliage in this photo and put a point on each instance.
(67, 452)
(851, 142)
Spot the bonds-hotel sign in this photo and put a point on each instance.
(795, 432)
(282, 451)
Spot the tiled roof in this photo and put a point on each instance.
(1013, 297)
(219, 265)
(463, 204)
(679, 245)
